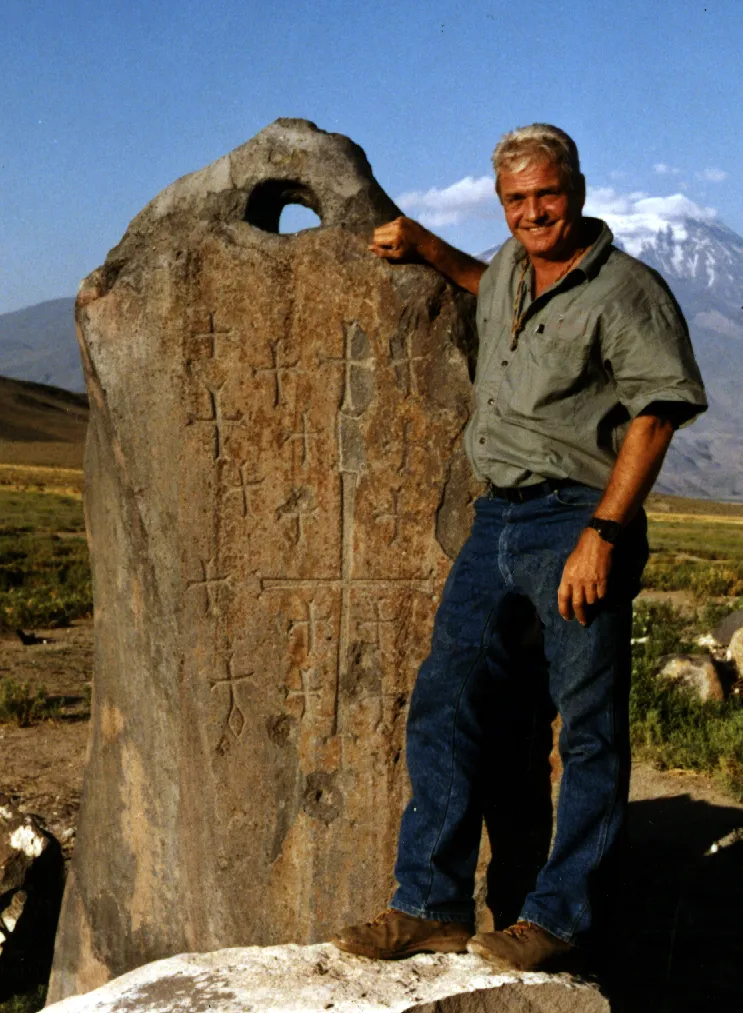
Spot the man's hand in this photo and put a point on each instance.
(399, 240)
(404, 241)
(585, 577)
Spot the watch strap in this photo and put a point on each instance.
(608, 530)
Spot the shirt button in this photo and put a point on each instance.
(491, 400)
(505, 362)
(482, 439)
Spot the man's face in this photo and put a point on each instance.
(540, 211)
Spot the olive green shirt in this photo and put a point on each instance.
(594, 350)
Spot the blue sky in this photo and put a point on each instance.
(105, 102)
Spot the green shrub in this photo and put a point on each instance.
(21, 705)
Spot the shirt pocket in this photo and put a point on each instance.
(552, 381)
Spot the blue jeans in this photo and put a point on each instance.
(517, 552)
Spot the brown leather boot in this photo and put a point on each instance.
(521, 947)
(394, 934)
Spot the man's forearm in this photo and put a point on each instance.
(586, 574)
(454, 264)
(636, 468)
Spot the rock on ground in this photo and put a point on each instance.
(696, 672)
(315, 979)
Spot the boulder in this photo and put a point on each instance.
(31, 870)
(314, 979)
(723, 632)
(696, 672)
(275, 489)
(735, 652)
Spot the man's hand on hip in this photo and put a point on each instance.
(585, 577)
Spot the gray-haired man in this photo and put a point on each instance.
(584, 371)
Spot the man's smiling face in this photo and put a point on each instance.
(541, 212)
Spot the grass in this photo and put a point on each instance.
(28, 1002)
(701, 554)
(670, 726)
(44, 568)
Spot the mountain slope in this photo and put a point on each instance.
(38, 343)
(41, 425)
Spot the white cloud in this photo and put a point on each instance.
(634, 217)
(637, 217)
(713, 175)
(665, 170)
(452, 205)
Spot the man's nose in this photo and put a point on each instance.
(533, 209)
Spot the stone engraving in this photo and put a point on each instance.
(217, 417)
(243, 487)
(206, 341)
(403, 361)
(407, 446)
(278, 370)
(392, 518)
(310, 623)
(298, 508)
(210, 583)
(235, 720)
(309, 691)
(303, 437)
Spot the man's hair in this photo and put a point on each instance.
(524, 145)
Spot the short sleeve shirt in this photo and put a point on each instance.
(594, 350)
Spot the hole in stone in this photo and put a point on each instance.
(269, 199)
(295, 218)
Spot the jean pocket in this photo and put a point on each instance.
(578, 495)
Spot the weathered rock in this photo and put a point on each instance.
(30, 894)
(735, 652)
(313, 979)
(723, 632)
(696, 672)
(274, 426)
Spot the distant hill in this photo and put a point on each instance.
(38, 343)
(41, 425)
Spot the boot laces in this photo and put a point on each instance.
(520, 930)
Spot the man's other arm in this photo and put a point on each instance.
(586, 574)
(405, 241)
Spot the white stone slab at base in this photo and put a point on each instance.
(319, 979)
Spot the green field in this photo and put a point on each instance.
(44, 567)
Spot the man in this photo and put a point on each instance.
(584, 371)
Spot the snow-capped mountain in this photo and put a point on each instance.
(702, 261)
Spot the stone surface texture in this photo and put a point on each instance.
(313, 979)
(735, 652)
(275, 488)
(696, 672)
(727, 626)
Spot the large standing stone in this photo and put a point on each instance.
(274, 488)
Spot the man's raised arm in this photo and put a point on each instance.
(405, 241)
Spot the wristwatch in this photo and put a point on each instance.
(608, 530)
